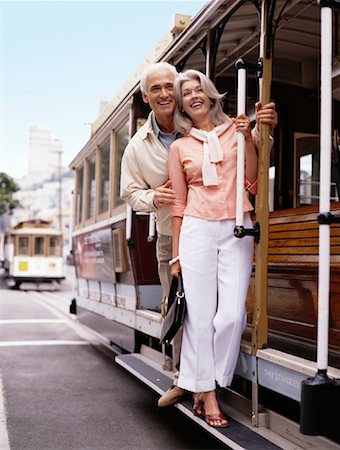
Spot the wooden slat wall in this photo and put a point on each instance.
(293, 272)
(294, 237)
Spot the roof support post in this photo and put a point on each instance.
(260, 317)
(320, 395)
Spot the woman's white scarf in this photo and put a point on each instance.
(212, 151)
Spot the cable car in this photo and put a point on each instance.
(118, 293)
(33, 253)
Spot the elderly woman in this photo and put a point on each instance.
(216, 266)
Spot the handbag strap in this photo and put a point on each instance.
(180, 283)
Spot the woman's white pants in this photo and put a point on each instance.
(216, 269)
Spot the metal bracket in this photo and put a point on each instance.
(329, 3)
(328, 218)
(240, 232)
(256, 68)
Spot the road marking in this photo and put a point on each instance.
(24, 321)
(40, 343)
(4, 440)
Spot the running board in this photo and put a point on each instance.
(237, 436)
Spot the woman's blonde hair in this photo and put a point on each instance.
(182, 121)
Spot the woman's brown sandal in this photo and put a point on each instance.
(212, 418)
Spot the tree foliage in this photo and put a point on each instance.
(7, 188)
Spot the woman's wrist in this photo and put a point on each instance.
(173, 260)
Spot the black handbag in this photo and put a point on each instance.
(175, 312)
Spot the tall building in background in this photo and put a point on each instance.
(45, 153)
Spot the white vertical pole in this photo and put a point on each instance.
(71, 219)
(128, 229)
(241, 109)
(325, 179)
(152, 227)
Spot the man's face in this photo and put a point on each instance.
(160, 93)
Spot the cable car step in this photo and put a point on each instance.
(237, 436)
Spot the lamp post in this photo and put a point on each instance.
(60, 215)
(59, 153)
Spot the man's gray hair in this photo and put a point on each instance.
(182, 121)
(156, 67)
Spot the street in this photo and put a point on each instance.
(59, 392)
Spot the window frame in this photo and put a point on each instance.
(87, 188)
(105, 214)
(78, 224)
(16, 245)
(58, 247)
(114, 186)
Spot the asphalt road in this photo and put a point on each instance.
(59, 392)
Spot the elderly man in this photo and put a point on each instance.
(145, 180)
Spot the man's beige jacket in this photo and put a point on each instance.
(145, 168)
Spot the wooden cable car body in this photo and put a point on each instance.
(118, 292)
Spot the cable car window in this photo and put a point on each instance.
(307, 148)
(39, 245)
(54, 247)
(79, 199)
(23, 245)
(91, 187)
(122, 138)
(104, 177)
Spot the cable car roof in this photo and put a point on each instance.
(36, 231)
(296, 47)
(35, 226)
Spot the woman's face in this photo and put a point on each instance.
(195, 102)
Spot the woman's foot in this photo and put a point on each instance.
(198, 405)
(213, 415)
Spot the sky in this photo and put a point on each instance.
(60, 59)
